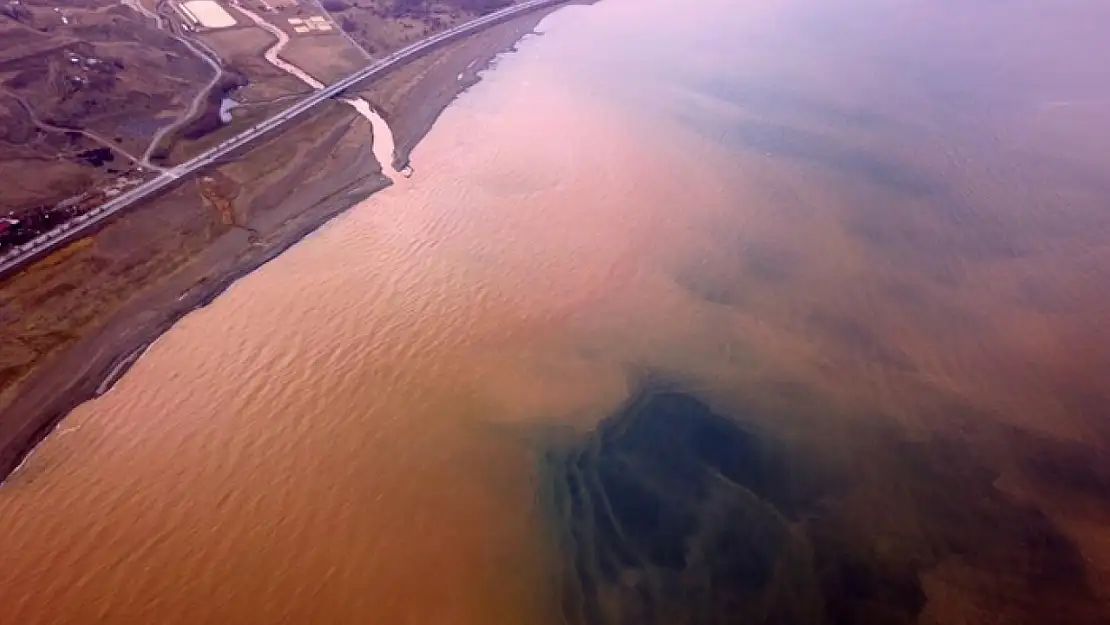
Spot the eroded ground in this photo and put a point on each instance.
(104, 94)
(84, 307)
(71, 318)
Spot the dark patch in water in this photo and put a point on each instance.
(705, 278)
(772, 97)
(1069, 468)
(777, 140)
(849, 335)
(672, 513)
(770, 263)
(721, 290)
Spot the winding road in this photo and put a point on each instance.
(48, 127)
(383, 136)
(271, 54)
(84, 224)
(196, 47)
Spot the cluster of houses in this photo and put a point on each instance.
(6, 223)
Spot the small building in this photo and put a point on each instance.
(316, 23)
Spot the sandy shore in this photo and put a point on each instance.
(75, 321)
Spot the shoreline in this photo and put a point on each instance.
(100, 357)
(412, 118)
(419, 125)
(110, 362)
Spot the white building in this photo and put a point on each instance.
(207, 14)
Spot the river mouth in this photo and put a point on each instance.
(670, 512)
(383, 146)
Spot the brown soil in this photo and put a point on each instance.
(105, 68)
(99, 67)
(326, 58)
(220, 191)
(241, 50)
(183, 149)
(75, 320)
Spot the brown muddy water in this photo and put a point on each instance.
(728, 311)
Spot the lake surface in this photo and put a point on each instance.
(728, 311)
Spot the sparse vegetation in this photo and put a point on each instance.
(383, 25)
(425, 8)
(93, 66)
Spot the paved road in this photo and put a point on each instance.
(16, 258)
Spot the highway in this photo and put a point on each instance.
(84, 224)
